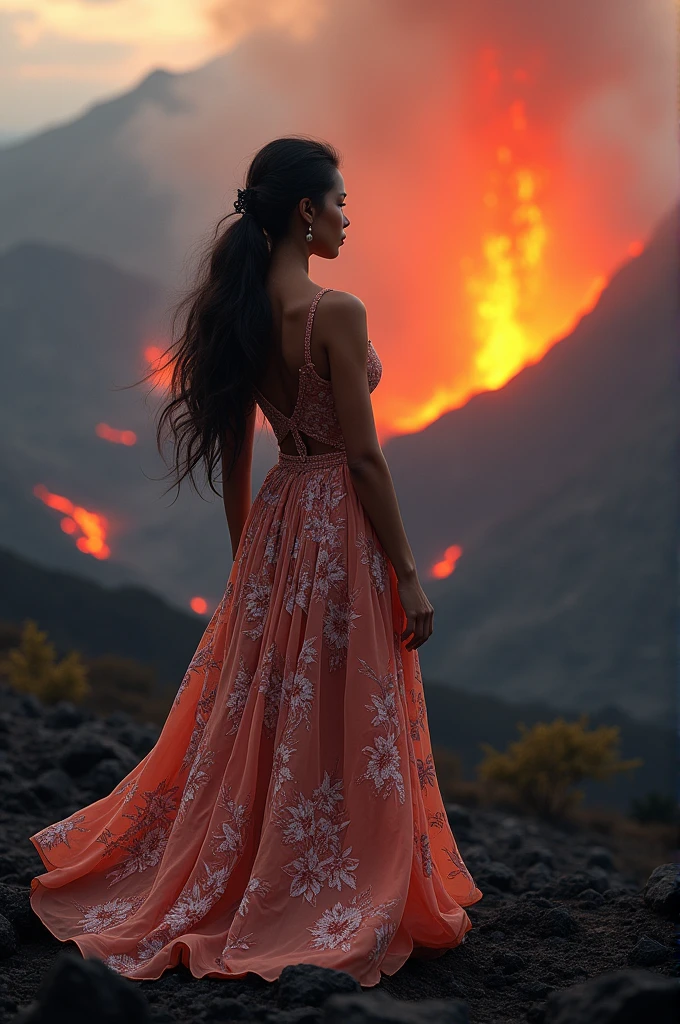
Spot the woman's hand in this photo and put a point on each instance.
(419, 612)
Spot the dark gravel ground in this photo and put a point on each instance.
(568, 930)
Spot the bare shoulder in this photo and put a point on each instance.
(344, 320)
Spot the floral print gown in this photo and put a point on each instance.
(289, 811)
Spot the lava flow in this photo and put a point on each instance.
(91, 526)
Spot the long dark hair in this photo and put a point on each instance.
(223, 346)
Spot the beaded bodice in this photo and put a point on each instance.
(314, 413)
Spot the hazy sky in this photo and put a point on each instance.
(59, 56)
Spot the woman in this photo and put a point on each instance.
(289, 812)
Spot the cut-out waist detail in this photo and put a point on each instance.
(314, 413)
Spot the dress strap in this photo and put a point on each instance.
(310, 320)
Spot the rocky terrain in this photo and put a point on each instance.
(568, 930)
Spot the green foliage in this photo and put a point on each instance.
(655, 807)
(32, 667)
(542, 767)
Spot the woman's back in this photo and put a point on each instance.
(311, 410)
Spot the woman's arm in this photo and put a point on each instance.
(345, 331)
(237, 488)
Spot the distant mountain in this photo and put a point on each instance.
(78, 614)
(73, 330)
(82, 185)
(135, 623)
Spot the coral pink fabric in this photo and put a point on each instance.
(290, 811)
(314, 413)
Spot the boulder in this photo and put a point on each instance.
(80, 991)
(86, 749)
(495, 873)
(556, 922)
(568, 887)
(617, 997)
(53, 787)
(104, 777)
(65, 715)
(8, 939)
(649, 953)
(600, 857)
(311, 985)
(379, 1008)
(534, 854)
(661, 891)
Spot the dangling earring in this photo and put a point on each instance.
(308, 236)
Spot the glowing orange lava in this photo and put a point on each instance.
(515, 308)
(91, 526)
(162, 376)
(116, 436)
(440, 570)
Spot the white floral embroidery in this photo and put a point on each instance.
(271, 683)
(289, 595)
(243, 942)
(280, 770)
(297, 696)
(143, 842)
(339, 869)
(337, 625)
(204, 658)
(257, 594)
(338, 925)
(201, 892)
(274, 538)
(321, 495)
(375, 559)
(146, 852)
(256, 886)
(421, 842)
(384, 758)
(196, 778)
(122, 963)
(383, 766)
(313, 825)
(202, 713)
(383, 937)
(131, 785)
(238, 695)
(232, 831)
(269, 495)
(299, 589)
(329, 571)
(58, 833)
(99, 917)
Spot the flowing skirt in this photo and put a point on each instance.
(289, 811)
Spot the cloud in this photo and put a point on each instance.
(49, 49)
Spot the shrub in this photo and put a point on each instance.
(542, 767)
(32, 668)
